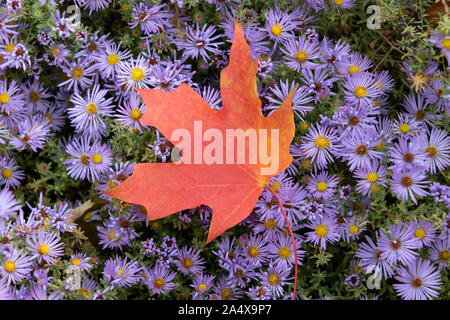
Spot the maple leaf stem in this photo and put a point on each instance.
(292, 237)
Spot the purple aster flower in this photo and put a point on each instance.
(110, 237)
(88, 286)
(36, 96)
(408, 152)
(224, 290)
(64, 26)
(16, 266)
(88, 112)
(32, 134)
(260, 293)
(371, 178)
(438, 149)
(320, 144)
(41, 276)
(415, 109)
(332, 53)
(40, 293)
(93, 5)
(279, 25)
(282, 255)
(434, 95)
(419, 281)
(424, 232)
(299, 54)
(322, 185)
(352, 228)
(353, 64)
(7, 25)
(159, 279)
(228, 253)
(352, 280)
(405, 126)
(318, 83)
(202, 283)
(325, 230)
(59, 218)
(113, 177)
(398, 244)
(18, 58)
(152, 18)
(120, 272)
(255, 250)
(168, 77)
(407, 183)
(9, 206)
(11, 96)
(372, 257)
(440, 252)
(442, 41)
(189, 261)
(134, 73)
(79, 73)
(81, 260)
(274, 279)
(360, 89)
(358, 149)
(45, 246)
(10, 174)
(300, 98)
(355, 120)
(108, 60)
(211, 96)
(200, 42)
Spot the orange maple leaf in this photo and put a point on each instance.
(230, 190)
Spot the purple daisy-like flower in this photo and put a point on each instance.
(282, 255)
(200, 42)
(324, 231)
(11, 96)
(7, 26)
(46, 246)
(352, 228)
(79, 73)
(189, 261)
(433, 94)
(10, 174)
(358, 149)
(134, 73)
(300, 53)
(320, 144)
(275, 278)
(322, 185)
(120, 272)
(415, 109)
(352, 280)
(81, 260)
(419, 281)
(59, 218)
(360, 89)
(16, 266)
(279, 25)
(344, 4)
(88, 112)
(151, 18)
(318, 83)
(371, 257)
(108, 60)
(9, 206)
(438, 150)
(424, 232)
(371, 178)
(40, 293)
(399, 244)
(440, 252)
(408, 152)
(159, 279)
(110, 236)
(32, 134)
(93, 5)
(407, 183)
(202, 283)
(255, 250)
(353, 64)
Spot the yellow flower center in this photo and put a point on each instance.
(277, 30)
(43, 249)
(270, 224)
(187, 263)
(97, 158)
(284, 252)
(111, 184)
(76, 262)
(372, 177)
(253, 251)
(353, 69)
(432, 151)
(135, 114)
(201, 287)
(159, 283)
(7, 173)
(85, 159)
(321, 186)
(84, 292)
(444, 255)
(4, 97)
(226, 293)
(375, 189)
(303, 126)
(420, 233)
(306, 164)
(360, 91)
(34, 97)
(338, 2)
(77, 73)
(112, 235)
(126, 7)
(120, 272)
(10, 266)
(301, 56)
(91, 108)
(446, 44)
(321, 230)
(137, 74)
(113, 59)
(404, 128)
(274, 279)
(322, 142)
(9, 47)
(276, 186)
(353, 229)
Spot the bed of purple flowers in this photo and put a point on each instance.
(367, 194)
